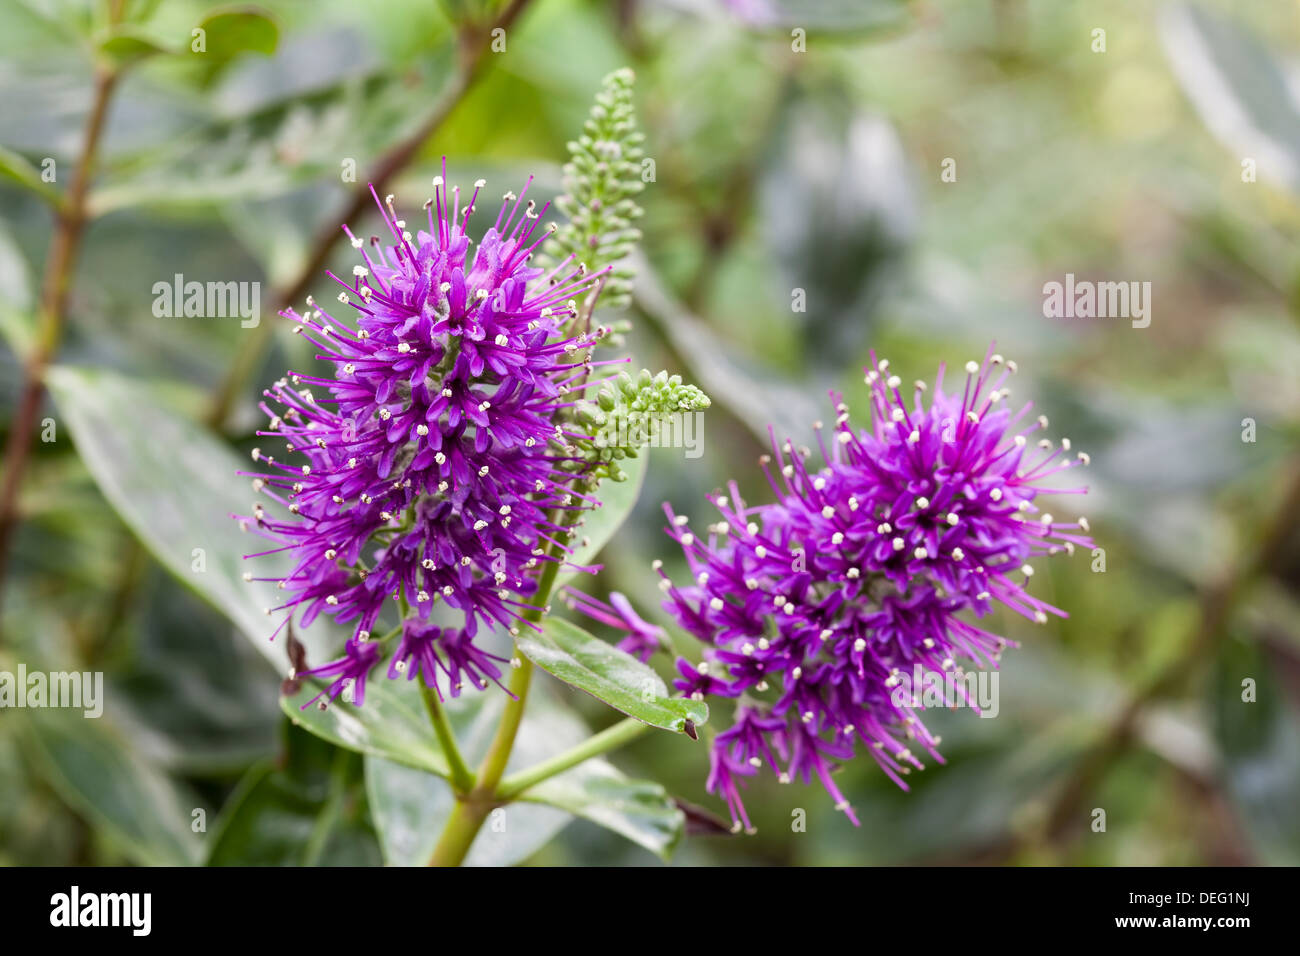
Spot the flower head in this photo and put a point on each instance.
(426, 466)
(817, 607)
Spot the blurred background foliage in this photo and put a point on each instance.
(774, 170)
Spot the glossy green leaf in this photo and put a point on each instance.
(639, 810)
(98, 771)
(566, 651)
(195, 697)
(176, 486)
(391, 724)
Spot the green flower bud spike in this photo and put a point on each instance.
(600, 181)
(630, 413)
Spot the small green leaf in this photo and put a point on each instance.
(235, 30)
(128, 45)
(639, 810)
(17, 324)
(97, 770)
(17, 169)
(176, 486)
(566, 651)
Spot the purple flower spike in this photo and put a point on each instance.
(643, 638)
(349, 673)
(425, 467)
(816, 609)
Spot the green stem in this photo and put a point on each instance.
(472, 809)
(611, 738)
(462, 778)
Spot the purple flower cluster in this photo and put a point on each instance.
(816, 609)
(429, 462)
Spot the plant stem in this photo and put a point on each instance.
(55, 284)
(470, 812)
(608, 739)
(462, 778)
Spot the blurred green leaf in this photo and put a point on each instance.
(176, 487)
(309, 812)
(1240, 89)
(17, 324)
(838, 212)
(230, 31)
(17, 169)
(832, 16)
(761, 398)
(198, 698)
(566, 651)
(97, 771)
(128, 45)
(1260, 744)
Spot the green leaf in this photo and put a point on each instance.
(839, 211)
(17, 169)
(1259, 740)
(97, 771)
(639, 810)
(235, 30)
(566, 651)
(311, 812)
(197, 699)
(617, 499)
(410, 807)
(391, 724)
(17, 324)
(176, 486)
(1239, 87)
(128, 45)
